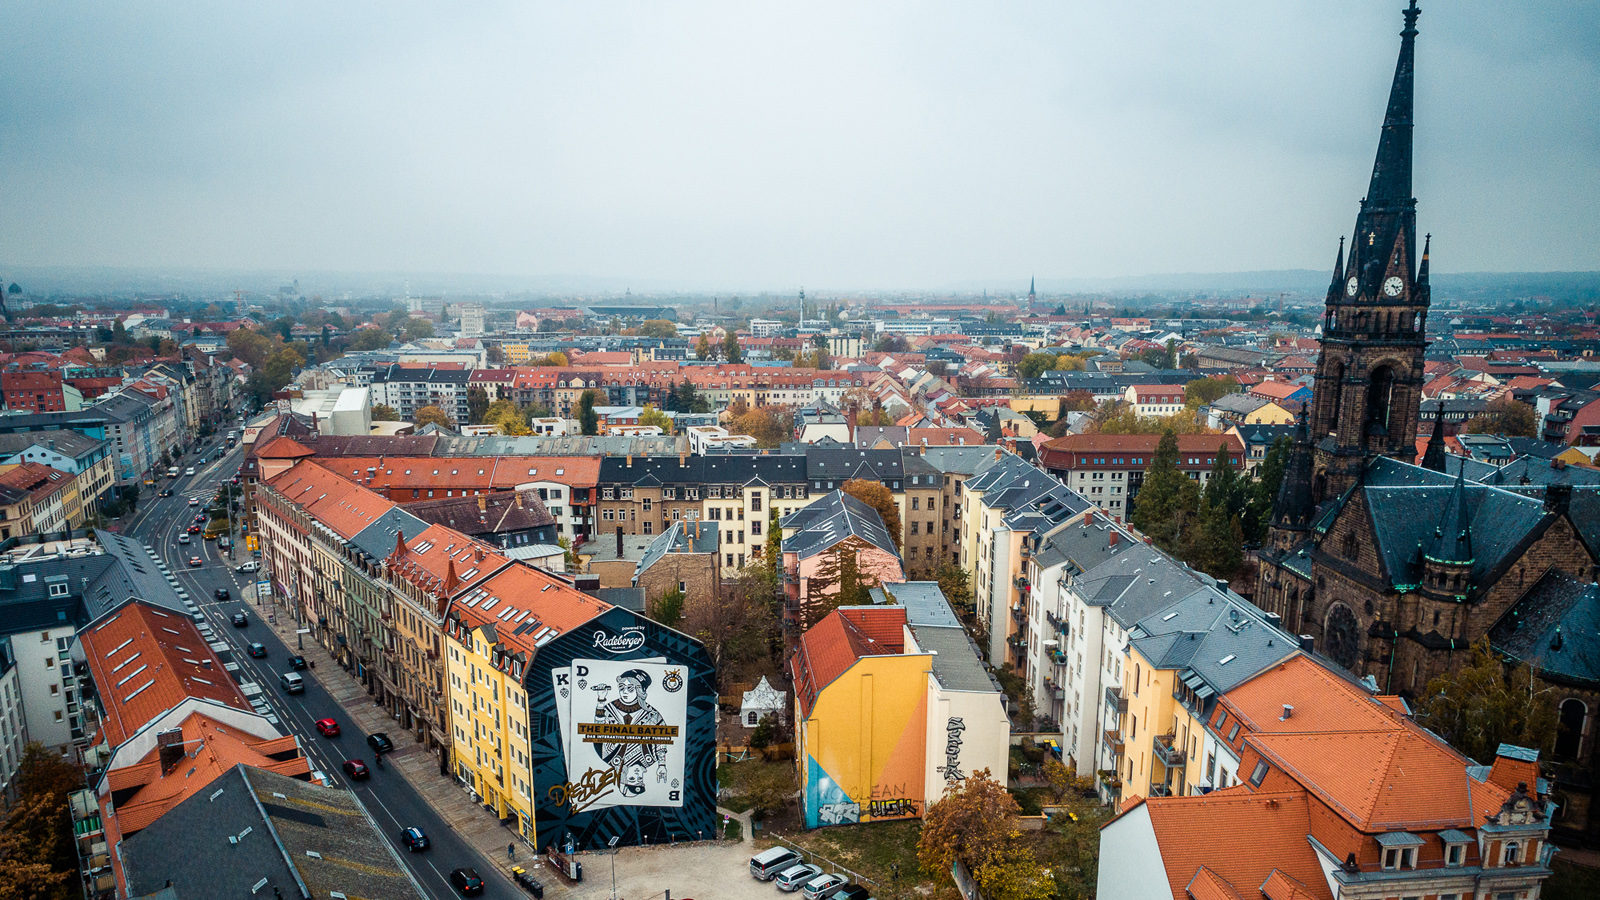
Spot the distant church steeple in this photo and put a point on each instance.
(1368, 386)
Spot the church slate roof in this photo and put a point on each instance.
(1407, 519)
(1555, 627)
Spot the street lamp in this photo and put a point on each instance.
(612, 844)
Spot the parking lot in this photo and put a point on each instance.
(698, 872)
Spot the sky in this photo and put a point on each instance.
(879, 145)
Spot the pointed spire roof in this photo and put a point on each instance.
(1294, 505)
(1422, 270)
(1452, 537)
(1336, 288)
(399, 545)
(1433, 457)
(1387, 221)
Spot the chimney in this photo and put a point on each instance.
(169, 746)
(1115, 536)
(619, 542)
(998, 453)
(1307, 642)
(1288, 711)
(630, 460)
(1557, 498)
(1222, 585)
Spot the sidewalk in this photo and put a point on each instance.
(476, 825)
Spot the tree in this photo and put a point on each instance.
(737, 624)
(730, 347)
(1489, 702)
(588, 419)
(1035, 364)
(1203, 391)
(382, 412)
(773, 548)
(1070, 362)
(432, 415)
(495, 355)
(768, 425)
(37, 857)
(1263, 490)
(1505, 416)
(368, 339)
(1167, 500)
(556, 358)
(668, 608)
(891, 343)
(477, 405)
(416, 328)
(507, 416)
(702, 348)
(956, 585)
(657, 328)
(877, 496)
(653, 416)
(975, 823)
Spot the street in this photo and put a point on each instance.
(389, 799)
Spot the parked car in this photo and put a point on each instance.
(792, 878)
(413, 839)
(356, 770)
(379, 742)
(328, 727)
(250, 565)
(821, 885)
(297, 661)
(257, 650)
(766, 865)
(240, 620)
(849, 892)
(466, 881)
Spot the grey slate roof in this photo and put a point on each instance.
(1555, 627)
(1135, 584)
(1079, 548)
(960, 460)
(1406, 519)
(956, 661)
(838, 466)
(249, 825)
(737, 469)
(1213, 635)
(377, 540)
(925, 603)
(67, 443)
(830, 519)
(679, 538)
(565, 445)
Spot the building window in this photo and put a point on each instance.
(1259, 774)
(1513, 853)
(1454, 854)
(1399, 858)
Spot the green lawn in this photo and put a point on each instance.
(878, 850)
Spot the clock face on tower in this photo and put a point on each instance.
(1392, 286)
(1351, 286)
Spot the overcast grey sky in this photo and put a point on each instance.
(763, 145)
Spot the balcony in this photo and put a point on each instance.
(1057, 657)
(1058, 623)
(1161, 790)
(1113, 739)
(1170, 756)
(1022, 582)
(1115, 700)
(1019, 614)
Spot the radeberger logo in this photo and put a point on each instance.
(629, 639)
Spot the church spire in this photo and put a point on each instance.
(1422, 270)
(1295, 503)
(1387, 221)
(1433, 457)
(1337, 287)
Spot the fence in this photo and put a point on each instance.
(813, 856)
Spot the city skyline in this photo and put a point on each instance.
(723, 147)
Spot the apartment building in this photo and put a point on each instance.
(818, 540)
(1108, 469)
(67, 451)
(408, 388)
(1155, 400)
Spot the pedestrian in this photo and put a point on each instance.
(511, 851)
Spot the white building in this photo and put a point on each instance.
(715, 437)
(472, 318)
(339, 410)
(763, 327)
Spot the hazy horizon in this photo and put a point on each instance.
(712, 147)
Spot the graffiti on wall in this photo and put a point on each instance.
(839, 813)
(951, 770)
(892, 801)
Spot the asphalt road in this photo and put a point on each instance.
(388, 798)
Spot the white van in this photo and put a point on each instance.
(768, 863)
(189, 471)
(292, 682)
(250, 565)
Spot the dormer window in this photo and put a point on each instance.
(1454, 854)
(1399, 850)
(1259, 775)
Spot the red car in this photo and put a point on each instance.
(356, 770)
(327, 728)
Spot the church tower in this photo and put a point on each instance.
(1369, 376)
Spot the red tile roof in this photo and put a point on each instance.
(845, 635)
(341, 505)
(527, 606)
(146, 660)
(1238, 838)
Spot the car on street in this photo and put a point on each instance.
(184, 539)
(196, 562)
(328, 727)
(223, 595)
(249, 566)
(466, 881)
(240, 620)
(792, 878)
(193, 529)
(164, 492)
(194, 501)
(379, 742)
(258, 650)
(414, 839)
(297, 661)
(189, 471)
(821, 885)
(200, 519)
(356, 770)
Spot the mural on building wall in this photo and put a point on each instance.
(845, 785)
(624, 737)
(951, 770)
